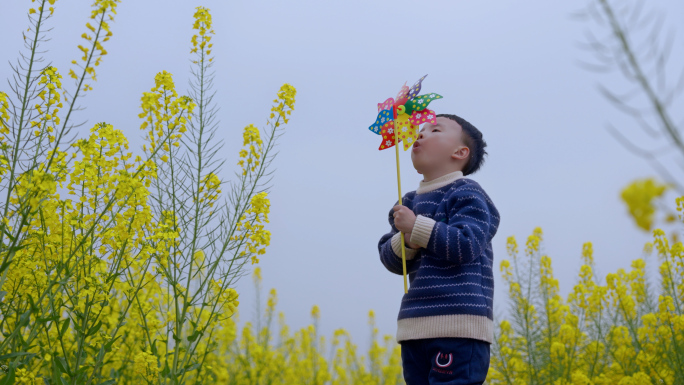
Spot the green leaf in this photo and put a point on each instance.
(84, 368)
(194, 335)
(61, 363)
(190, 368)
(108, 345)
(5, 265)
(94, 329)
(112, 277)
(153, 347)
(56, 373)
(65, 326)
(48, 318)
(25, 318)
(9, 378)
(78, 314)
(7, 233)
(16, 354)
(165, 371)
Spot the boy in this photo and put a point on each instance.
(445, 321)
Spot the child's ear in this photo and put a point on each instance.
(461, 153)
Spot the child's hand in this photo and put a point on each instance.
(404, 218)
(407, 236)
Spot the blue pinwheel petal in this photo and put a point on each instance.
(383, 117)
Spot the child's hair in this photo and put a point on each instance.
(473, 140)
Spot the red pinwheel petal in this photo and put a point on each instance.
(424, 116)
(387, 136)
(386, 105)
(402, 96)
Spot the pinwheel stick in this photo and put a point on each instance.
(403, 250)
(407, 112)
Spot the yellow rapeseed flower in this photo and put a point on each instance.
(639, 197)
(146, 366)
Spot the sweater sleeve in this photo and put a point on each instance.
(390, 249)
(465, 235)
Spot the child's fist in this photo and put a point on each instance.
(407, 236)
(404, 218)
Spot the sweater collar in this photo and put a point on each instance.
(436, 183)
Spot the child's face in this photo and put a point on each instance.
(438, 146)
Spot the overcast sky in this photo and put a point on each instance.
(510, 68)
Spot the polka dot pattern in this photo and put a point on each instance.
(401, 122)
(406, 132)
(402, 96)
(424, 116)
(387, 133)
(406, 124)
(411, 136)
(420, 102)
(386, 105)
(383, 117)
(415, 89)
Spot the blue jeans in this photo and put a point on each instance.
(452, 361)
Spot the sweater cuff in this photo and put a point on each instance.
(396, 247)
(422, 229)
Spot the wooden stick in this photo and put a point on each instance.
(403, 250)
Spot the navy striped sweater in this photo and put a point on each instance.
(452, 283)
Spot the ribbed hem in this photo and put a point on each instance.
(436, 183)
(446, 326)
(422, 229)
(396, 247)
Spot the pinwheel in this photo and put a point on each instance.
(403, 115)
(398, 120)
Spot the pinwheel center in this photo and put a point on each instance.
(401, 110)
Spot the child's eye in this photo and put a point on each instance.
(434, 129)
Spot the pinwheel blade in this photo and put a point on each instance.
(424, 116)
(411, 136)
(405, 130)
(383, 117)
(403, 124)
(420, 102)
(387, 133)
(386, 105)
(415, 89)
(402, 96)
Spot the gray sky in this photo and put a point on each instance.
(507, 67)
